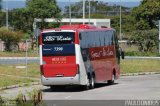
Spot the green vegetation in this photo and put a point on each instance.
(22, 19)
(147, 14)
(137, 53)
(32, 70)
(147, 40)
(10, 38)
(138, 23)
(34, 98)
(18, 54)
(15, 74)
(9, 80)
(127, 66)
(139, 65)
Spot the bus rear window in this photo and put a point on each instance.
(58, 38)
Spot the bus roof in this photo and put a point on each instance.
(79, 27)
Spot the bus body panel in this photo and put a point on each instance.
(63, 63)
(60, 80)
(82, 71)
(102, 59)
(78, 79)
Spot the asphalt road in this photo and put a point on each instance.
(142, 87)
(18, 60)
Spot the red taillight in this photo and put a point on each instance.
(77, 68)
(41, 69)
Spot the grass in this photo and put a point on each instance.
(18, 54)
(8, 80)
(140, 65)
(32, 70)
(127, 66)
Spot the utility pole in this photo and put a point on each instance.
(83, 11)
(7, 14)
(89, 11)
(26, 58)
(120, 22)
(159, 37)
(70, 12)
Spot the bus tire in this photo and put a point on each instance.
(91, 82)
(111, 82)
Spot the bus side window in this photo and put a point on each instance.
(80, 36)
(103, 36)
(83, 40)
(94, 39)
(116, 39)
(88, 40)
(108, 38)
(113, 38)
(99, 43)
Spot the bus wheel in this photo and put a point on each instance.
(111, 82)
(91, 82)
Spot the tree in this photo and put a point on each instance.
(97, 7)
(10, 38)
(2, 19)
(23, 18)
(147, 13)
(43, 9)
(103, 10)
(146, 40)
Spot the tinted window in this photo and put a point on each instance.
(58, 38)
(109, 38)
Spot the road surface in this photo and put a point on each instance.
(142, 87)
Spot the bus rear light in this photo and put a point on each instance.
(41, 70)
(78, 69)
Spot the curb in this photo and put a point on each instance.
(142, 73)
(19, 85)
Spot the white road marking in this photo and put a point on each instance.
(67, 97)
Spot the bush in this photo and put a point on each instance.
(147, 40)
(10, 38)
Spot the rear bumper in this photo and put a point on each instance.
(61, 80)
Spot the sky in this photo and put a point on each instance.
(21, 3)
